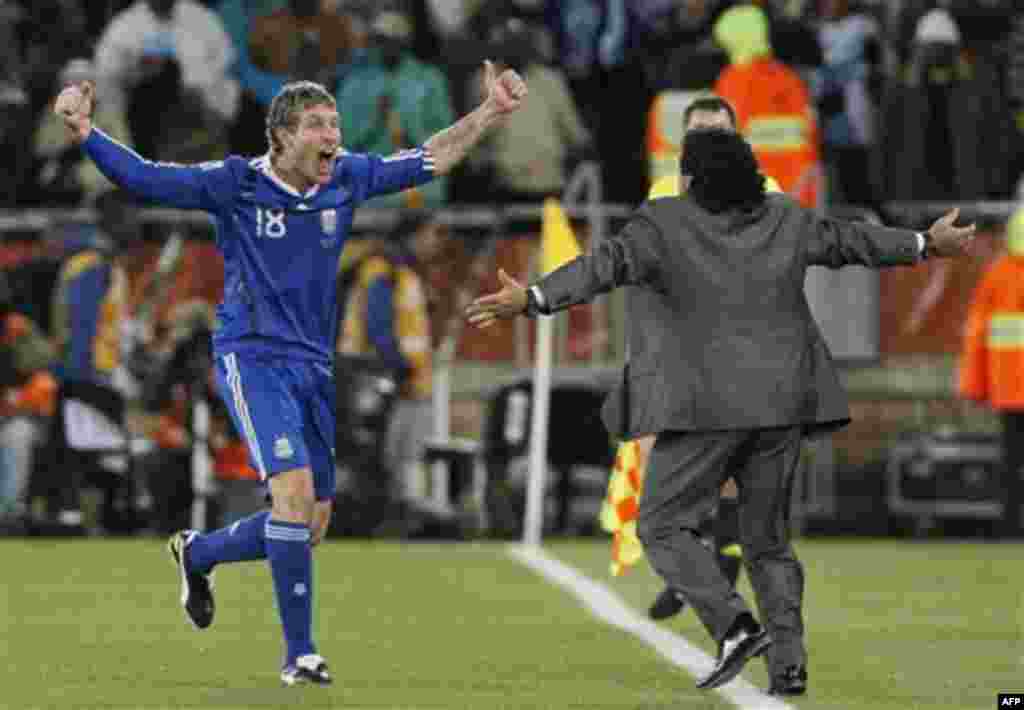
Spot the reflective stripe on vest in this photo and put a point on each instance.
(777, 133)
(1006, 331)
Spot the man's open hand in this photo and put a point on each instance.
(75, 105)
(507, 303)
(948, 240)
(505, 91)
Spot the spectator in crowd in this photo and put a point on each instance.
(596, 46)
(392, 101)
(15, 109)
(846, 93)
(920, 112)
(335, 29)
(463, 54)
(946, 93)
(992, 362)
(63, 175)
(528, 154)
(773, 106)
(678, 51)
(27, 391)
(161, 56)
(50, 34)
(589, 35)
(89, 301)
(794, 40)
(436, 25)
(387, 315)
(258, 87)
(1015, 89)
(484, 16)
(306, 39)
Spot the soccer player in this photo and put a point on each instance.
(281, 222)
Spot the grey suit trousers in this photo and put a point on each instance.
(681, 486)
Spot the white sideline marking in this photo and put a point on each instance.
(607, 606)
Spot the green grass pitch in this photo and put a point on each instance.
(96, 624)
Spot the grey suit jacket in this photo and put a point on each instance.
(721, 336)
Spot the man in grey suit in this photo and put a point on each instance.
(732, 375)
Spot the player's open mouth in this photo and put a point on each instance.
(326, 160)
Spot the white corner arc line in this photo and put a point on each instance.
(606, 605)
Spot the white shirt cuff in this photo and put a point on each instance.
(538, 296)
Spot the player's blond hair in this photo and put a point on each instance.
(293, 98)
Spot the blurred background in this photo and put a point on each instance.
(890, 112)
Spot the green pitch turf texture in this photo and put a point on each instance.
(96, 624)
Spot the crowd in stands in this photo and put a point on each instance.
(190, 80)
(844, 102)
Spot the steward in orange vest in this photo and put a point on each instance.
(773, 107)
(992, 362)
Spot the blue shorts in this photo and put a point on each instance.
(284, 410)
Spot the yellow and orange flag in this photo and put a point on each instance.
(621, 506)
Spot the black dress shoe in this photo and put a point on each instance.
(748, 641)
(669, 603)
(792, 681)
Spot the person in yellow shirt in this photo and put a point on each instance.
(704, 112)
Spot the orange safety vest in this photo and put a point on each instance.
(992, 362)
(775, 114)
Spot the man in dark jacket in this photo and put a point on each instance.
(732, 377)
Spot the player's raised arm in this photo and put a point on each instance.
(187, 187)
(505, 94)
(407, 168)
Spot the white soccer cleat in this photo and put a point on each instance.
(310, 668)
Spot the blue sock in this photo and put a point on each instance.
(238, 542)
(291, 566)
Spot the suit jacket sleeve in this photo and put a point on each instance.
(632, 257)
(836, 243)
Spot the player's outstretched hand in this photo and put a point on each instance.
(505, 91)
(75, 104)
(507, 303)
(947, 239)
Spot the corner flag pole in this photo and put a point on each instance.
(558, 246)
(533, 525)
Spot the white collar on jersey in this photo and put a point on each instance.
(263, 164)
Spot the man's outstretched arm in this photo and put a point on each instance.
(505, 94)
(187, 187)
(836, 243)
(630, 258)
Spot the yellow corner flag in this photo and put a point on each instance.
(558, 244)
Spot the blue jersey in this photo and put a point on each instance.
(280, 248)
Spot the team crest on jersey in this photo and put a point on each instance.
(329, 221)
(283, 448)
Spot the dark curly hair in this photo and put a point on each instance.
(724, 169)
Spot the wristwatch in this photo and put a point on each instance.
(533, 308)
(926, 251)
